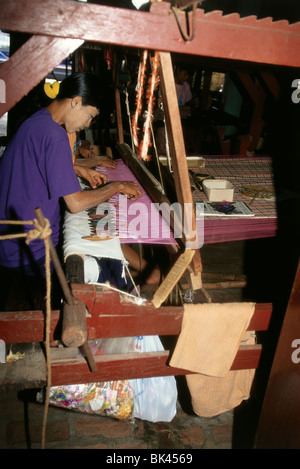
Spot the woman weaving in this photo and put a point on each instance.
(36, 170)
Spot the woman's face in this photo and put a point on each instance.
(78, 116)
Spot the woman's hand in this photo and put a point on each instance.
(84, 200)
(131, 190)
(106, 162)
(96, 161)
(93, 177)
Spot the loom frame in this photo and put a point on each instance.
(112, 315)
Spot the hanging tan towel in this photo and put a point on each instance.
(212, 396)
(210, 337)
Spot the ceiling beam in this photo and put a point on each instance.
(30, 64)
(222, 36)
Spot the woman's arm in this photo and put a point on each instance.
(84, 200)
(96, 161)
(93, 177)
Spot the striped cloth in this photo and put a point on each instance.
(212, 396)
(210, 336)
(240, 171)
(253, 171)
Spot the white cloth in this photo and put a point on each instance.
(210, 336)
(75, 227)
(91, 269)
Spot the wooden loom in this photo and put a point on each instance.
(53, 41)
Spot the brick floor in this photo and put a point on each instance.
(21, 428)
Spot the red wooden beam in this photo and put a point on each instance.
(26, 326)
(110, 315)
(135, 365)
(228, 37)
(68, 367)
(30, 64)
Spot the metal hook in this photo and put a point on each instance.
(185, 36)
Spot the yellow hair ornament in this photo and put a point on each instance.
(51, 89)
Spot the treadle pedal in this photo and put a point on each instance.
(172, 278)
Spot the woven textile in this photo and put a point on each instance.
(243, 171)
(72, 140)
(75, 227)
(144, 223)
(212, 396)
(210, 336)
(240, 171)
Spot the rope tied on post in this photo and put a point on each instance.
(40, 232)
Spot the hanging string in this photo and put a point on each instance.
(167, 147)
(157, 158)
(47, 334)
(130, 124)
(152, 85)
(133, 283)
(39, 232)
(139, 96)
(155, 182)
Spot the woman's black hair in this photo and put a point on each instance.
(84, 84)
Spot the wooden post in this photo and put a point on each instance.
(258, 96)
(118, 101)
(177, 150)
(45, 53)
(278, 426)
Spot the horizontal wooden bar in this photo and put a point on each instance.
(68, 367)
(34, 60)
(216, 35)
(26, 326)
(136, 365)
(110, 314)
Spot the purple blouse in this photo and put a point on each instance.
(35, 171)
